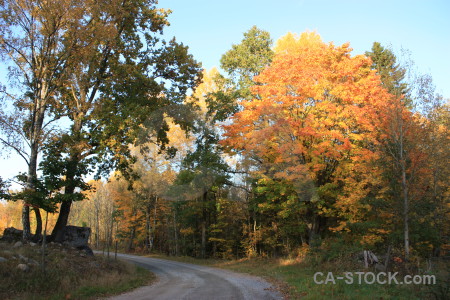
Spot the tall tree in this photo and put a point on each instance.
(241, 63)
(124, 85)
(95, 62)
(311, 122)
(38, 41)
(247, 59)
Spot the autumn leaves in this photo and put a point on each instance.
(314, 113)
(322, 118)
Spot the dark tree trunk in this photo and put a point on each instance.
(61, 223)
(203, 253)
(177, 250)
(316, 227)
(38, 233)
(97, 225)
(111, 229)
(147, 229)
(203, 250)
(153, 235)
(132, 234)
(63, 217)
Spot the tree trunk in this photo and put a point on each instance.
(132, 234)
(177, 250)
(402, 161)
(31, 177)
(71, 171)
(44, 242)
(314, 231)
(26, 222)
(405, 214)
(255, 237)
(61, 223)
(37, 117)
(154, 223)
(147, 229)
(111, 228)
(203, 253)
(203, 250)
(97, 225)
(38, 232)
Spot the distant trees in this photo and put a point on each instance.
(3, 188)
(408, 151)
(288, 146)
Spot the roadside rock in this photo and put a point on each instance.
(2, 259)
(12, 234)
(76, 236)
(18, 244)
(23, 258)
(23, 267)
(86, 250)
(32, 262)
(32, 244)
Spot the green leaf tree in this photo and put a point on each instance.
(241, 63)
(120, 92)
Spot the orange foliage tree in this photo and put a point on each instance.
(312, 122)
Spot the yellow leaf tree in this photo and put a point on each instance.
(312, 120)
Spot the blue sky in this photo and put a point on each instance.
(209, 28)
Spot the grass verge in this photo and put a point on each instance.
(68, 274)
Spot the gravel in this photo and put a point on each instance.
(178, 280)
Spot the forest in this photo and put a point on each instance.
(292, 145)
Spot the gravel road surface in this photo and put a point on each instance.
(178, 280)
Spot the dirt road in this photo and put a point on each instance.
(186, 281)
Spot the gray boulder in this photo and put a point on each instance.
(2, 259)
(11, 234)
(23, 267)
(18, 244)
(77, 237)
(86, 250)
(33, 262)
(23, 258)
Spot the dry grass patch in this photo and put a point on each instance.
(68, 274)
